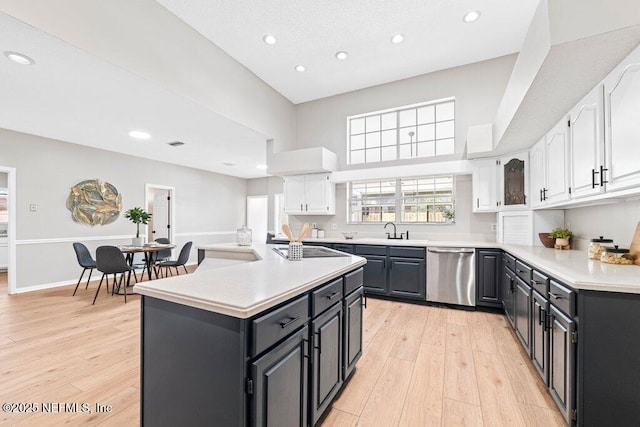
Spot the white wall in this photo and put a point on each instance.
(616, 221)
(209, 207)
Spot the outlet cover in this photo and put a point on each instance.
(494, 227)
(33, 207)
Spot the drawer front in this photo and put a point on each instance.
(406, 252)
(371, 250)
(278, 324)
(509, 261)
(326, 296)
(343, 248)
(523, 271)
(353, 281)
(540, 282)
(562, 297)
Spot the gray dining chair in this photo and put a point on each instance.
(160, 256)
(180, 262)
(86, 261)
(110, 260)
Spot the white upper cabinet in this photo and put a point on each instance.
(622, 113)
(312, 194)
(513, 177)
(587, 144)
(537, 174)
(485, 186)
(556, 156)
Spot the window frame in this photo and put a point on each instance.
(398, 198)
(398, 128)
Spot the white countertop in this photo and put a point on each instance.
(242, 288)
(404, 242)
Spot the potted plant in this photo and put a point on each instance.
(137, 216)
(449, 215)
(562, 236)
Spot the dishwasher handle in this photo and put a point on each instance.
(450, 251)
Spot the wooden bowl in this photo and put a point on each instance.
(547, 242)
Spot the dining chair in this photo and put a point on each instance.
(110, 260)
(160, 256)
(86, 261)
(180, 262)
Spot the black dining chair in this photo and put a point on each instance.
(86, 261)
(110, 260)
(180, 262)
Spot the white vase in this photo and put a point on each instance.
(137, 241)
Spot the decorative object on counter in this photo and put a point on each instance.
(349, 235)
(562, 236)
(303, 232)
(597, 246)
(137, 216)
(321, 233)
(93, 202)
(449, 215)
(243, 236)
(616, 255)
(634, 249)
(547, 240)
(287, 231)
(295, 251)
(314, 232)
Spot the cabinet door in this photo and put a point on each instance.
(407, 278)
(622, 103)
(280, 384)
(540, 335)
(523, 313)
(352, 331)
(316, 193)
(587, 144)
(375, 274)
(485, 185)
(562, 362)
(294, 194)
(514, 181)
(508, 289)
(488, 278)
(326, 362)
(538, 174)
(556, 161)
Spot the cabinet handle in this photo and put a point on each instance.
(510, 285)
(286, 323)
(541, 194)
(364, 301)
(593, 178)
(555, 296)
(332, 296)
(319, 347)
(478, 203)
(540, 311)
(306, 207)
(304, 349)
(548, 323)
(544, 194)
(384, 264)
(602, 171)
(301, 207)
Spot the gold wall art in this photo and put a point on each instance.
(94, 203)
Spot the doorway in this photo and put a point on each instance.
(8, 226)
(159, 200)
(257, 217)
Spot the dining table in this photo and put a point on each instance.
(146, 249)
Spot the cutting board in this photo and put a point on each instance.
(634, 249)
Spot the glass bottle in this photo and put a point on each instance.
(243, 236)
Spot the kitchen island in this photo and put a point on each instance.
(250, 338)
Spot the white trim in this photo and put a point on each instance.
(454, 167)
(172, 201)
(11, 229)
(205, 233)
(404, 107)
(72, 239)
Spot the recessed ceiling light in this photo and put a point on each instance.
(19, 58)
(261, 166)
(138, 134)
(342, 55)
(176, 143)
(471, 16)
(228, 163)
(300, 68)
(398, 38)
(269, 39)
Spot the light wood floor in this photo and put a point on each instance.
(422, 366)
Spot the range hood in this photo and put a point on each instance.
(299, 162)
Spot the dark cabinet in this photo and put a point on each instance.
(326, 361)
(375, 274)
(562, 361)
(407, 278)
(540, 335)
(343, 248)
(280, 387)
(352, 331)
(508, 295)
(523, 312)
(488, 275)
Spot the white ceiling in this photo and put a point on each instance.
(310, 32)
(73, 96)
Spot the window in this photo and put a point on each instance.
(411, 200)
(4, 213)
(422, 130)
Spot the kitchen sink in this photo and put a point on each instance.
(310, 252)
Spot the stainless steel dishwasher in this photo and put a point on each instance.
(451, 275)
